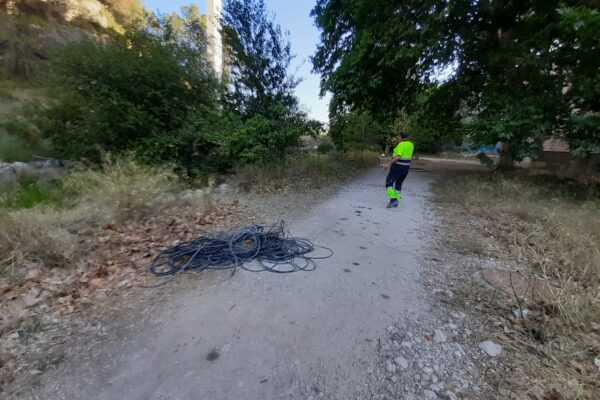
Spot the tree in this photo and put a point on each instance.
(136, 91)
(358, 130)
(524, 70)
(259, 57)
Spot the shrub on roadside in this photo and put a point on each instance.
(324, 148)
(122, 188)
(29, 194)
(549, 229)
(305, 170)
(40, 234)
(13, 148)
(130, 92)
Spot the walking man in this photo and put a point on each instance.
(398, 166)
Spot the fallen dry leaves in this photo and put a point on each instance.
(113, 260)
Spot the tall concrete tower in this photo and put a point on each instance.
(213, 27)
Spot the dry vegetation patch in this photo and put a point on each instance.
(550, 232)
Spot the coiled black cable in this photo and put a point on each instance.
(273, 249)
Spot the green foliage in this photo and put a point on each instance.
(522, 71)
(13, 148)
(29, 194)
(355, 130)
(325, 148)
(259, 57)
(136, 91)
(20, 140)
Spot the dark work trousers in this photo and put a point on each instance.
(396, 176)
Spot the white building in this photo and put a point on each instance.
(213, 28)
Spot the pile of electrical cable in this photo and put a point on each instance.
(254, 248)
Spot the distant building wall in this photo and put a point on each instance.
(213, 14)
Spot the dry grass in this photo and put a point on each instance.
(122, 188)
(121, 191)
(307, 170)
(551, 230)
(36, 235)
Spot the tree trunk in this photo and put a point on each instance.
(505, 161)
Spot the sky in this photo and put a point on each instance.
(294, 17)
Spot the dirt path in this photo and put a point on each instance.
(294, 336)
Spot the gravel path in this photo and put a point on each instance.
(362, 326)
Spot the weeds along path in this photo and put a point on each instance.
(291, 336)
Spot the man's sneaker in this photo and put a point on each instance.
(393, 203)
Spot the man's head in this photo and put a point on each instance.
(402, 136)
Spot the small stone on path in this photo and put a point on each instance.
(401, 362)
(430, 395)
(439, 336)
(491, 348)
(391, 368)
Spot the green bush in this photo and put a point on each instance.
(324, 148)
(30, 194)
(13, 148)
(135, 91)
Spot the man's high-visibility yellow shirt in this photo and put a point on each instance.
(404, 150)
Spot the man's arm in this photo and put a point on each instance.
(391, 162)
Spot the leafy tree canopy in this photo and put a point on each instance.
(259, 55)
(522, 70)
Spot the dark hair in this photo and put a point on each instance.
(404, 135)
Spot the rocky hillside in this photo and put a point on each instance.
(30, 29)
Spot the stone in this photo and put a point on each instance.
(515, 283)
(521, 313)
(8, 176)
(597, 362)
(439, 336)
(401, 362)
(22, 168)
(225, 188)
(406, 344)
(436, 387)
(491, 348)
(448, 395)
(430, 395)
(444, 294)
(428, 370)
(391, 368)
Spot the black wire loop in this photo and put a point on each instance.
(273, 249)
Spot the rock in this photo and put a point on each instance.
(406, 344)
(401, 362)
(224, 188)
(597, 362)
(439, 336)
(452, 326)
(390, 367)
(8, 176)
(13, 335)
(32, 275)
(444, 295)
(448, 395)
(430, 395)
(517, 312)
(428, 370)
(22, 168)
(436, 387)
(491, 348)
